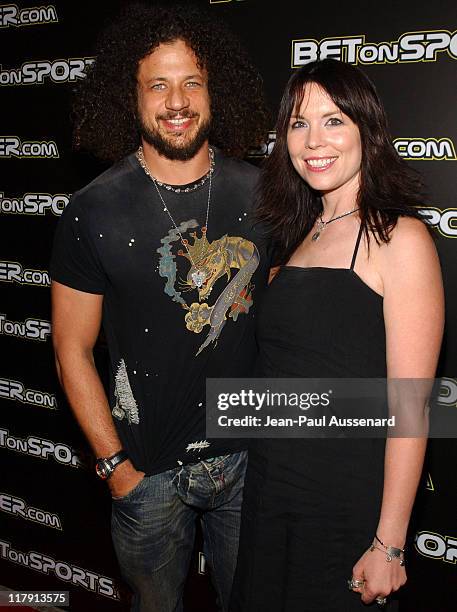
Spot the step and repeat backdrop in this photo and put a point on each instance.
(54, 513)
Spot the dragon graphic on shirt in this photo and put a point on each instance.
(216, 259)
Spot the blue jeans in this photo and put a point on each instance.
(153, 530)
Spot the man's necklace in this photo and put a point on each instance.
(321, 224)
(197, 185)
(198, 276)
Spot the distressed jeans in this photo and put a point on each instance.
(153, 529)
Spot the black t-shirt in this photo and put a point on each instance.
(165, 335)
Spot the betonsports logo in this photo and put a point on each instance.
(13, 146)
(435, 546)
(65, 70)
(265, 149)
(15, 506)
(12, 15)
(30, 329)
(448, 392)
(425, 148)
(445, 221)
(15, 390)
(417, 149)
(13, 272)
(35, 446)
(34, 204)
(63, 570)
(422, 46)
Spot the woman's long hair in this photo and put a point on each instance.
(389, 188)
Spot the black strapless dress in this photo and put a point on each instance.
(311, 506)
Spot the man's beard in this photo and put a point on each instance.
(167, 148)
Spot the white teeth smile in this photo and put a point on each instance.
(177, 121)
(320, 163)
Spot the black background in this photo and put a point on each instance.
(420, 99)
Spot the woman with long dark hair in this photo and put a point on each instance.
(358, 294)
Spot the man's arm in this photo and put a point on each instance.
(76, 320)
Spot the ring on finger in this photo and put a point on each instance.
(353, 583)
(380, 600)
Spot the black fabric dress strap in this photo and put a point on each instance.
(356, 249)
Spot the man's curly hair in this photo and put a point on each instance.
(105, 107)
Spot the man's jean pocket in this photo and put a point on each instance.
(153, 530)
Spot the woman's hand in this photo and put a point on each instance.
(381, 576)
(272, 273)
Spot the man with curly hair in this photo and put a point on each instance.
(161, 250)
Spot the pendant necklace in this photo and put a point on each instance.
(198, 276)
(321, 224)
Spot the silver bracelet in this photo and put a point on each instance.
(391, 551)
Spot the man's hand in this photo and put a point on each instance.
(124, 479)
